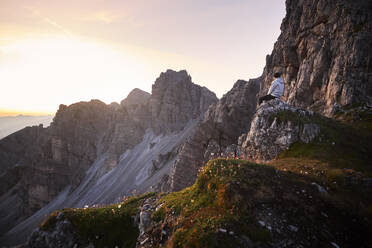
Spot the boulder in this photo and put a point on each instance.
(275, 127)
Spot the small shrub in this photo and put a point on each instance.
(159, 215)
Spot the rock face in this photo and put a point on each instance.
(87, 140)
(221, 126)
(62, 236)
(324, 54)
(176, 100)
(271, 134)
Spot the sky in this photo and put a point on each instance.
(61, 52)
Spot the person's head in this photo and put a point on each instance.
(277, 74)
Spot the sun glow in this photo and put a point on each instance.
(34, 70)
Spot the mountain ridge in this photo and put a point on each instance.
(325, 62)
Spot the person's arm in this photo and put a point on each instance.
(272, 87)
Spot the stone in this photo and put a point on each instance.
(268, 136)
(62, 235)
(145, 220)
(293, 228)
(320, 188)
(335, 245)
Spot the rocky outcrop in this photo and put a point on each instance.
(62, 236)
(222, 125)
(324, 54)
(275, 126)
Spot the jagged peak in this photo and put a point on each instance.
(136, 96)
(92, 105)
(172, 76)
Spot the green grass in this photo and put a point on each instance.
(108, 226)
(340, 144)
(226, 195)
(214, 202)
(158, 215)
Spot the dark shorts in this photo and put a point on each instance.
(266, 98)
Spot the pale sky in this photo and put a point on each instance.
(54, 52)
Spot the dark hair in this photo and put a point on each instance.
(277, 74)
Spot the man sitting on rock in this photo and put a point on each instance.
(276, 89)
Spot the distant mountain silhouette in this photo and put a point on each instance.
(11, 124)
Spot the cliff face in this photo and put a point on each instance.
(221, 126)
(90, 139)
(324, 54)
(176, 100)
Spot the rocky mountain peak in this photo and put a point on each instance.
(176, 100)
(174, 77)
(136, 96)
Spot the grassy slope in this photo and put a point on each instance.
(340, 144)
(235, 195)
(108, 226)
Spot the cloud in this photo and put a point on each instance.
(48, 20)
(106, 17)
(53, 23)
(103, 16)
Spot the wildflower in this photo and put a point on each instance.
(119, 206)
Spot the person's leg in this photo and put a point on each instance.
(266, 98)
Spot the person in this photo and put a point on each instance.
(276, 89)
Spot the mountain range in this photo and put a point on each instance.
(317, 142)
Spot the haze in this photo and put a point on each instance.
(54, 52)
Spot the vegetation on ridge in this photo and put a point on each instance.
(234, 201)
(108, 226)
(340, 144)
